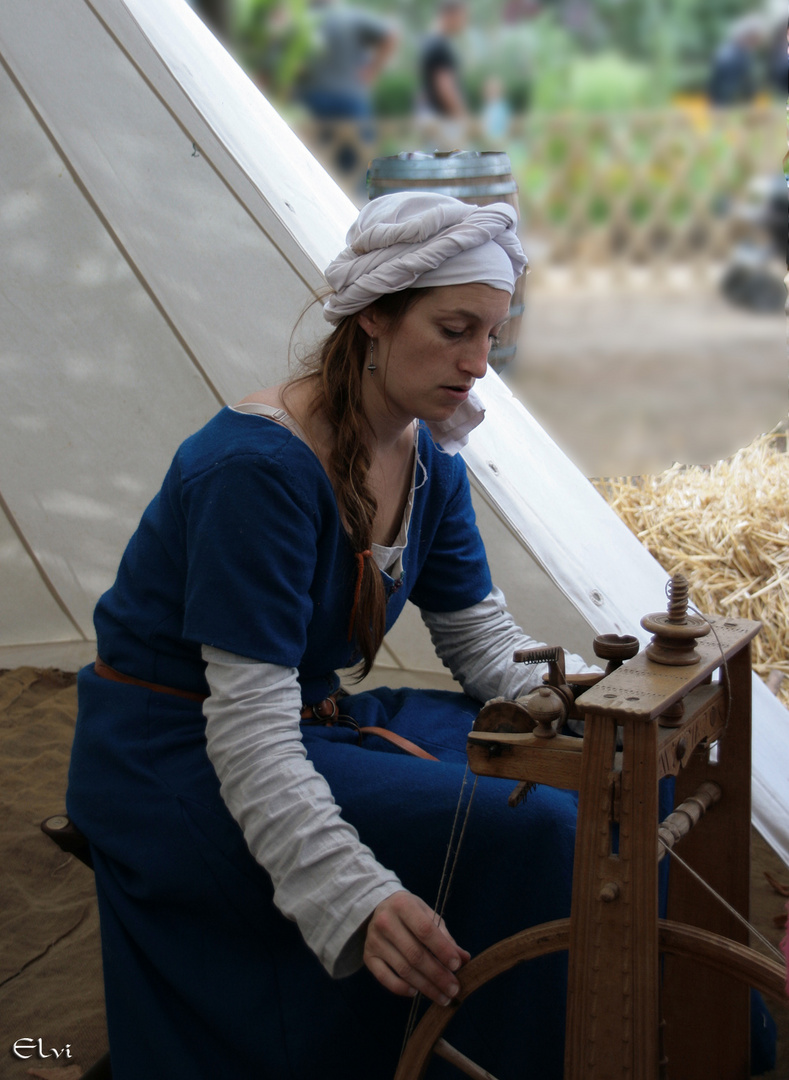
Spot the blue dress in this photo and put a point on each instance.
(243, 549)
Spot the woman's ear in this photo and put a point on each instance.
(369, 321)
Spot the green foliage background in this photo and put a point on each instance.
(622, 54)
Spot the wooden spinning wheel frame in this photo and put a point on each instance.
(629, 1014)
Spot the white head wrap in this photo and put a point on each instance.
(422, 239)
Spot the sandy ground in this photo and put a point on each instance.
(50, 972)
(50, 962)
(629, 381)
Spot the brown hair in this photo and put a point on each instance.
(337, 369)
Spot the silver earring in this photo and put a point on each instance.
(371, 366)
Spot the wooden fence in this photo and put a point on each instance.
(655, 193)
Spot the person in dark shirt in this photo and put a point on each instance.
(439, 63)
(734, 76)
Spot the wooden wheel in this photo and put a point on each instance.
(706, 948)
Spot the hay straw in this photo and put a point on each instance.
(726, 528)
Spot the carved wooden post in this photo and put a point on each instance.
(612, 1004)
(708, 1016)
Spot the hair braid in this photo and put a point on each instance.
(338, 369)
(349, 465)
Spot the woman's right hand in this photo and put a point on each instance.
(409, 950)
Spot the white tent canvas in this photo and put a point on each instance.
(162, 229)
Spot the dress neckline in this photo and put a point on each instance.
(388, 557)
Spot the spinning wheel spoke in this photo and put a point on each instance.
(444, 1050)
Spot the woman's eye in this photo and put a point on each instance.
(452, 333)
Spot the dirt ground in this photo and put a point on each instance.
(629, 381)
(50, 964)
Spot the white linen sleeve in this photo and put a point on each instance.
(477, 644)
(325, 878)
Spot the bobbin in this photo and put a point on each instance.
(675, 632)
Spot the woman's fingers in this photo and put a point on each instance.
(409, 951)
(392, 982)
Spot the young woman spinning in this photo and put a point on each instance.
(266, 879)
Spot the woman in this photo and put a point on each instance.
(266, 881)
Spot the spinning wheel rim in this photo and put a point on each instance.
(678, 939)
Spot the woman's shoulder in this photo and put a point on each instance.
(270, 395)
(240, 468)
(233, 438)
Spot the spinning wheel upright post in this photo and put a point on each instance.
(707, 1018)
(670, 714)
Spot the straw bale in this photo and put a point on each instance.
(726, 528)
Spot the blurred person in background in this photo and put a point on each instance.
(496, 113)
(443, 108)
(353, 46)
(734, 75)
(778, 60)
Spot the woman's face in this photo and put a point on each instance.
(430, 360)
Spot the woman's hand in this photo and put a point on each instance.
(410, 951)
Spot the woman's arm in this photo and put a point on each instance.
(324, 877)
(477, 644)
(349, 908)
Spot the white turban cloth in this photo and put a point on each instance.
(419, 240)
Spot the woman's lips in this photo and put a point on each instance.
(459, 393)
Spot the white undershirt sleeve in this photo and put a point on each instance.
(325, 878)
(477, 645)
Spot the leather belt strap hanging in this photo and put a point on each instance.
(327, 712)
(324, 712)
(398, 740)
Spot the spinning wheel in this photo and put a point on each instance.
(673, 719)
(712, 951)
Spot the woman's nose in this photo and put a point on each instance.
(475, 360)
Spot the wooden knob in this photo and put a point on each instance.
(615, 648)
(545, 706)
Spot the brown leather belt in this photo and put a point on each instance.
(324, 712)
(108, 672)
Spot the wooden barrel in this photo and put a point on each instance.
(473, 176)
